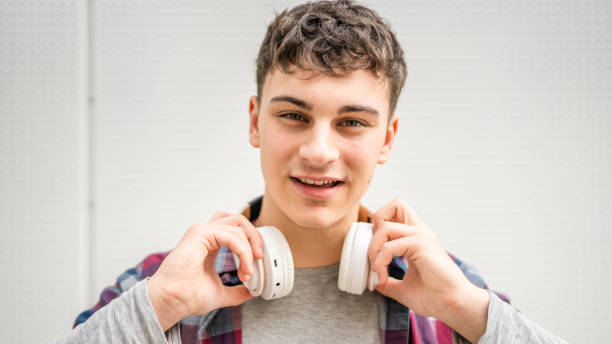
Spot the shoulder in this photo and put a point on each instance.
(149, 265)
(470, 271)
(146, 268)
(473, 275)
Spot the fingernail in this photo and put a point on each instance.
(246, 277)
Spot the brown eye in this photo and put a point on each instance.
(353, 123)
(293, 116)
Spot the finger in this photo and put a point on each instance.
(235, 239)
(246, 263)
(236, 295)
(219, 215)
(399, 211)
(391, 288)
(252, 234)
(388, 231)
(390, 249)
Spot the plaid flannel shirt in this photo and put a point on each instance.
(397, 323)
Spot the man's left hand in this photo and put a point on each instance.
(433, 285)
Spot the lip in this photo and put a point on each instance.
(318, 178)
(318, 193)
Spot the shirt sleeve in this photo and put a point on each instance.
(125, 281)
(505, 324)
(129, 318)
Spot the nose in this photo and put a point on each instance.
(319, 148)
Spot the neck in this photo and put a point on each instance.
(310, 247)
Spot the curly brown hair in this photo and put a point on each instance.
(333, 38)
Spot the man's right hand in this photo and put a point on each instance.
(187, 284)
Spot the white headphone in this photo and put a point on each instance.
(273, 275)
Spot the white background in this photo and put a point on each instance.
(124, 122)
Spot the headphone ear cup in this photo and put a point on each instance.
(344, 272)
(277, 264)
(354, 274)
(273, 275)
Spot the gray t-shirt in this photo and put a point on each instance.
(315, 311)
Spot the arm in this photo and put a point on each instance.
(127, 318)
(124, 282)
(507, 325)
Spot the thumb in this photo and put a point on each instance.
(391, 288)
(236, 295)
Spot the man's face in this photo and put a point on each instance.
(320, 130)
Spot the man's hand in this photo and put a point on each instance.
(186, 283)
(433, 284)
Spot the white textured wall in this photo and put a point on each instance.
(504, 144)
(43, 164)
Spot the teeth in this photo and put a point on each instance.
(316, 182)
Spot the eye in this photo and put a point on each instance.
(353, 123)
(293, 116)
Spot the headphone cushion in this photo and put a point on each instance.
(354, 271)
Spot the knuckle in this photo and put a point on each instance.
(234, 216)
(378, 263)
(236, 230)
(218, 215)
(422, 230)
(241, 253)
(400, 201)
(429, 234)
(384, 233)
(241, 219)
(387, 246)
(383, 227)
(371, 254)
(193, 228)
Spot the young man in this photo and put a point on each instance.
(328, 78)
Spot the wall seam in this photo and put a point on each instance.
(91, 244)
(83, 233)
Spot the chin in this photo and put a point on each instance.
(321, 218)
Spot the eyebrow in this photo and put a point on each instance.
(294, 101)
(357, 108)
(309, 107)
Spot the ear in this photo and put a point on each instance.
(385, 151)
(254, 121)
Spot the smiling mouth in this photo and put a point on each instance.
(319, 184)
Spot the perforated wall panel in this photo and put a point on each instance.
(42, 199)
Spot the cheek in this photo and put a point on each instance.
(276, 150)
(361, 158)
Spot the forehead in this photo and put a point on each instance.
(320, 89)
